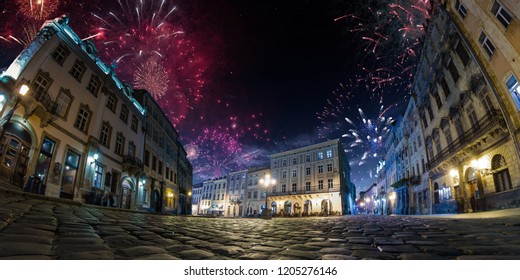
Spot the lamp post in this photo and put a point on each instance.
(22, 91)
(187, 200)
(267, 181)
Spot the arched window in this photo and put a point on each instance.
(501, 176)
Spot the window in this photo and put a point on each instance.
(124, 113)
(437, 98)
(320, 155)
(473, 120)
(41, 83)
(329, 153)
(294, 187)
(78, 69)
(430, 111)
(160, 170)
(419, 141)
(488, 105)
(131, 149)
(147, 158)
(135, 123)
(501, 177)
(462, 53)
(445, 88)
(307, 186)
(112, 102)
(120, 143)
(98, 176)
(486, 44)
(284, 174)
(60, 54)
(83, 118)
(320, 184)
(447, 133)
(329, 167)
(307, 158)
(461, 9)
(63, 100)
(294, 173)
(154, 163)
(458, 126)
(93, 85)
(501, 14)
(453, 70)
(284, 188)
(294, 161)
(330, 183)
(284, 162)
(320, 168)
(438, 145)
(104, 136)
(155, 136)
(513, 87)
(307, 171)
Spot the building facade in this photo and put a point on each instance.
(75, 133)
(236, 190)
(312, 180)
(255, 192)
(70, 128)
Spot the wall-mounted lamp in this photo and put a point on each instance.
(93, 159)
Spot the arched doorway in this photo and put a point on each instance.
(326, 206)
(287, 207)
(501, 176)
(273, 207)
(15, 146)
(297, 209)
(307, 208)
(471, 188)
(126, 193)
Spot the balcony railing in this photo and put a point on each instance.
(46, 100)
(415, 180)
(312, 190)
(483, 126)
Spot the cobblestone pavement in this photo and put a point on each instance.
(32, 228)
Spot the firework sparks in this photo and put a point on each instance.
(37, 9)
(150, 47)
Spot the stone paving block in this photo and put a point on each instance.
(423, 242)
(420, 256)
(337, 251)
(387, 241)
(179, 248)
(196, 254)
(29, 238)
(304, 247)
(440, 250)
(227, 250)
(489, 257)
(398, 249)
(254, 256)
(331, 257)
(266, 249)
(158, 257)
(24, 248)
(139, 251)
(300, 254)
(27, 257)
(87, 255)
(376, 254)
(360, 240)
(80, 240)
(26, 229)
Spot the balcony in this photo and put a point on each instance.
(312, 190)
(132, 164)
(486, 125)
(42, 105)
(415, 180)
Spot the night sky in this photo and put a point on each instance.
(251, 78)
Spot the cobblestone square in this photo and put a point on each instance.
(35, 228)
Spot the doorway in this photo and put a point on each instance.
(15, 146)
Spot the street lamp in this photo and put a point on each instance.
(267, 181)
(22, 91)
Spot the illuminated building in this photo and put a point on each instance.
(76, 132)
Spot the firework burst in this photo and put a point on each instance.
(151, 49)
(37, 9)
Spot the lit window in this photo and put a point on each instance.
(320, 155)
(329, 153)
(98, 176)
(513, 87)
